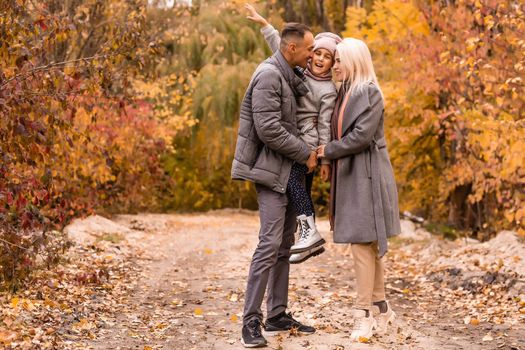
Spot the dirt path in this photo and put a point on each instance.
(188, 293)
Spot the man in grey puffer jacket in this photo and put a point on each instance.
(267, 146)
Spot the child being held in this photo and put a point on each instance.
(314, 112)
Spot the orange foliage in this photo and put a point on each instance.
(453, 79)
(72, 137)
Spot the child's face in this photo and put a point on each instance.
(322, 62)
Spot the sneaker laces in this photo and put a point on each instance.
(255, 325)
(305, 229)
(359, 323)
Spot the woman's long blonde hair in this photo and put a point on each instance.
(356, 60)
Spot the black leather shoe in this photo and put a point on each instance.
(285, 322)
(252, 336)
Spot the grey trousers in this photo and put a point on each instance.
(270, 268)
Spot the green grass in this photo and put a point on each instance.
(448, 232)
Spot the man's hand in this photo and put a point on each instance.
(255, 16)
(326, 172)
(320, 151)
(311, 163)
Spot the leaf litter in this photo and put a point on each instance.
(145, 290)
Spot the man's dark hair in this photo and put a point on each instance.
(293, 31)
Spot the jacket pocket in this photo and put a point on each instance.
(268, 161)
(252, 152)
(368, 163)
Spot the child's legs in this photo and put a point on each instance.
(296, 191)
(364, 263)
(309, 180)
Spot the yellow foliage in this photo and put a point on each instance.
(171, 96)
(354, 22)
(453, 112)
(389, 21)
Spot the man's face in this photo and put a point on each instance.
(303, 50)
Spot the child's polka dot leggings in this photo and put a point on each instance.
(296, 191)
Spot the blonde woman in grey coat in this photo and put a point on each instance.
(364, 208)
(314, 111)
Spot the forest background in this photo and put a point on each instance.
(126, 106)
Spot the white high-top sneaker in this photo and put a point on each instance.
(363, 325)
(309, 236)
(384, 319)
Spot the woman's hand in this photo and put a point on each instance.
(255, 16)
(326, 172)
(320, 151)
(311, 163)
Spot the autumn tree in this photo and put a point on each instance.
(453, 77)
(74, 136)
(211, 53)
(321, 15)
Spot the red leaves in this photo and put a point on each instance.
(21, 202)
(9, 199)
(92, 277)
(455, 102)
(41, 23)
(56, 164)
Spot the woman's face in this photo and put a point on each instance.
(322, 62)
(338, 69)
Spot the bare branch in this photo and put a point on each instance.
(14, 245)
(53, 65)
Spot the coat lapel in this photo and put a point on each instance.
(358, 102)
(294, 77)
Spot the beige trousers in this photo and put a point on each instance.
(369, 272)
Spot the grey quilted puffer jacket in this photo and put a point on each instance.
(314, 110)
(267, 142)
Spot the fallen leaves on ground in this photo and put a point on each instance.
(479, 283)
(109, 291)
(71, 301)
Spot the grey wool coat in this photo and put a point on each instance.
(365, 206)
(267, 139)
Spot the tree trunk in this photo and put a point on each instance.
(460, 214)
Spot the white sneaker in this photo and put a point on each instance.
(384, 319)
(302, 257)
(363, 326)
(309, 236)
